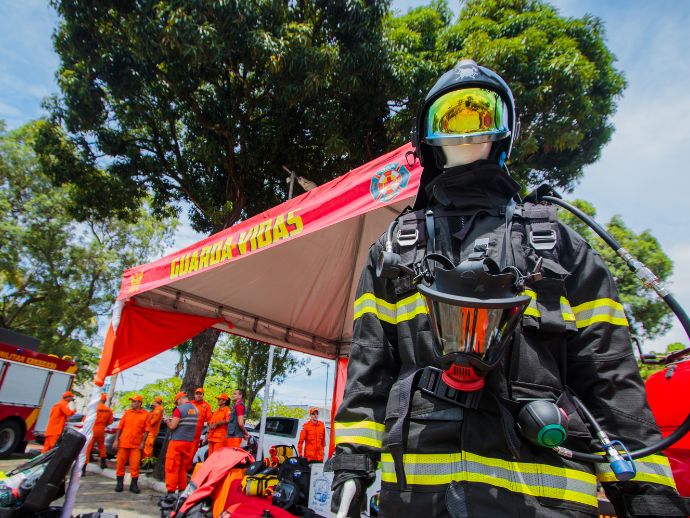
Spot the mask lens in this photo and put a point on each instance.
(477, 332)
(470, 116)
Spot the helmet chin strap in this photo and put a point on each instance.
(465, 154)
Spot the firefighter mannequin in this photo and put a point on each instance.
(104, 417)
(129, 441)
(461, 454)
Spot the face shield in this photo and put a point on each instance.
(466, 116)
(474, 309)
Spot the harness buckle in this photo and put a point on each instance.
(408, 238)
(542, 239)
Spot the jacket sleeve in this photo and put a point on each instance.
(373, 365)
(300, 444)
(603, 372)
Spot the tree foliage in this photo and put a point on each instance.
(242, 363)
(205, 102)
(56, 275)
(202, 103)
(559, 69)
(648, 316)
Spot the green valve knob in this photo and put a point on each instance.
(543, 423)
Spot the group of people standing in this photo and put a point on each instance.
(226, 427)
(138, 428)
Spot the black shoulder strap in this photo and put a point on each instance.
(541, 221)
(410, 238)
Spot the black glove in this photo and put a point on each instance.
(359, 501)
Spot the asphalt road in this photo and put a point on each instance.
(96, 490)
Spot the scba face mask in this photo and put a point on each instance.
(474, 308)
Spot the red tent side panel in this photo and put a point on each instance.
(338, 392)
(143, 333)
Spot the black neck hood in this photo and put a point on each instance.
(481, 184)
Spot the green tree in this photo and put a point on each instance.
(559, 69)
(204, 102)
(242, 363)
(648, 316)
(58, 276)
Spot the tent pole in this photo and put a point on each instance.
(75, 475)
(264, 407)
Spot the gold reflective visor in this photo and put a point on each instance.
(468, 116)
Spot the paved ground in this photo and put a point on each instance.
(97, 490)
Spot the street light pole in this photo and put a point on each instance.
(325, 396)
(267, 387)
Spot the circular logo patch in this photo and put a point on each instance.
(390, 181)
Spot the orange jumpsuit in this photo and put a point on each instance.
(217, 436)
(312, 441)
(104, 417)
(153, 426)
(56, 423)
(132, 428)
(205, 413)
(179, 456)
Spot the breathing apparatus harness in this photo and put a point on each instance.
(474, 309)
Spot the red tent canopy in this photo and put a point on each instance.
(286, 276)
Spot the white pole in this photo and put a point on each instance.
(87, 430)
(264, 407)
(325, 395)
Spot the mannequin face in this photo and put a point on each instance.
(465, 154)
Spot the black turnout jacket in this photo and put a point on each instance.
(573, 337)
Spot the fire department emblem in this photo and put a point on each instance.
(390, 181)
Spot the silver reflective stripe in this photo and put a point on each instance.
(392, 313)
(365, 433)
(538, 480)
(600, 310)
(654, 469)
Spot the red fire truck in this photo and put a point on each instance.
(30, 384)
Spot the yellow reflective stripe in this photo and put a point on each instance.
(654, 469)
(356, 439)
(441, 469)
(370, 425)
(405, 309)
(533, 311)
(600, 310)
(366, 433)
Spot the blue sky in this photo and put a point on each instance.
(642, 173)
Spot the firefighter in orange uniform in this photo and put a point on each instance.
(104, 417)
(205, 413)
(181, 446)
(153, 426)
(312, 438)
(129, 441)
(56, 422)
(218, 425)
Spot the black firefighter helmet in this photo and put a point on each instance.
(469, 104)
